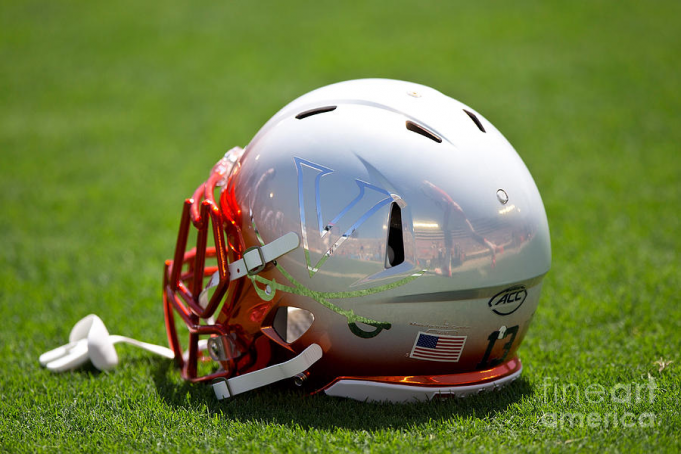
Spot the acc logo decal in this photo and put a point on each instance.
(508, 301)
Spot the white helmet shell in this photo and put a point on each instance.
(423, 244)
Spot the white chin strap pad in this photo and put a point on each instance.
(227, 388)
(89, 339)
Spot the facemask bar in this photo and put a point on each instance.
(181, 289)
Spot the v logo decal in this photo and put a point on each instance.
(324, 228)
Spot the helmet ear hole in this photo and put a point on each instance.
(291, 323)
(395, 247)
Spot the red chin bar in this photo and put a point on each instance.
(183, 277)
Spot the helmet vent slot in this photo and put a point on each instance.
(418, 129)
(394, 254)
(318, 110)
(475, 120)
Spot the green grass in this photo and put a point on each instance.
(112, 113)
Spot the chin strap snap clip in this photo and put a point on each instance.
(253, 261)
(225, 388)
(256, 258)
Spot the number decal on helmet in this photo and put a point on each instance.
(501, 333)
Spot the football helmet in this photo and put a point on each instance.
(376, 240)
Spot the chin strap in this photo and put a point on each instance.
(257, 257)
(253, 261)
(225, 388)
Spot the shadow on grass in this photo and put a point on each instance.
(286, 406)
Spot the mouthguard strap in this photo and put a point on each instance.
(90, 340)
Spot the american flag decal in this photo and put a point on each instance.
(437, 347)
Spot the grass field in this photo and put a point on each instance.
(112, 113)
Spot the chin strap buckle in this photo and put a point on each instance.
(254, 260)
(225, 388)
(257, 257)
